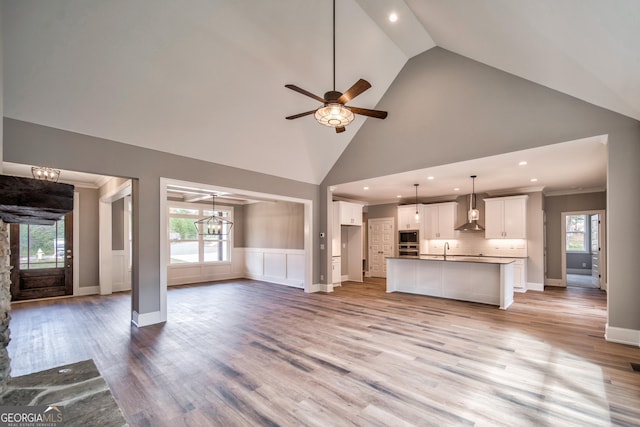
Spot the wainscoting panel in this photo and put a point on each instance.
(283, 266)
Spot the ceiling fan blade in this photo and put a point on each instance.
(355, 90)
(371, 113)
(295, 116)
(307, 93)
(340, 129)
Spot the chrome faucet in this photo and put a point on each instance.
(446, 246)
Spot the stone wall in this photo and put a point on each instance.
(5, 306)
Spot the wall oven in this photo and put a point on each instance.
(409, 243)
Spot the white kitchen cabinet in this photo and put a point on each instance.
(336, 273)
(506, 218)
(439, 220)
(349, 213)
(407, 217)
(520, 275)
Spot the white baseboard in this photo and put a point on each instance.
(622, 335)
(315, 287)
(554, 282)
(146, 319)
(579, 271)
(276, 280)
(535, 286)
(326, 287)
(87, 290)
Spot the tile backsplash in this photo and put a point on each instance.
(471, 243)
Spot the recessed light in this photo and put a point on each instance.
(533, 179)
(430, 178)
(456, 189)
(365, 188)
(393, 17)
(522, 163)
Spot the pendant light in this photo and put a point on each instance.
(417, 213)
(474, 213)
(214, 225)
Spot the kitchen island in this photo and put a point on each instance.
(486, 280)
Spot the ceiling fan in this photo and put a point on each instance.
(334, 112)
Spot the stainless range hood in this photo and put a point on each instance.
(473, 214)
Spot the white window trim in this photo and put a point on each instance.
(586, 233)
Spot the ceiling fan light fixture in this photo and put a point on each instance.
(334, 115)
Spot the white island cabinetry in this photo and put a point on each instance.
(484, 280)
(506, 218)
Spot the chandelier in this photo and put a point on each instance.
(214, 225)
(45, 173)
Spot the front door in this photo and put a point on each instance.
(381, 245)
(42, 259)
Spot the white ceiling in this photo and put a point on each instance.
(206, 79)
(570, 167)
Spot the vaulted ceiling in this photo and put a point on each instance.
(205, 79)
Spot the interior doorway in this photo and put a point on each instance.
(584, 249)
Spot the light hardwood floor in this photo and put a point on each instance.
(252, 353)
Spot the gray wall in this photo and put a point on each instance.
(575, 261)
(382, 211)
(554, 206)
(445, 108)
(88, 238)
(277, 225)
(30, 143)
(117, 225)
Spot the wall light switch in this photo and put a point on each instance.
(322, 246)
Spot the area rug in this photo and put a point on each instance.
(77, 388)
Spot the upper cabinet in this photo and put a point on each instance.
(439, 220)
(348, 213)
(407, 217)
(506, 218)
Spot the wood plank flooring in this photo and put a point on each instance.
(253, 353)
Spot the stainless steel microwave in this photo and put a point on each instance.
(409, 236)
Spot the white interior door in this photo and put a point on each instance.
(596, 273)
(381, 245)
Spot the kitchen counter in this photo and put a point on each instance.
(461, 258)
(487, 280)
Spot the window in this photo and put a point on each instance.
(577, 233)
(186, 245)
(42, 246)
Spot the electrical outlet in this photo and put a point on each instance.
(322, 246)
(322, 277)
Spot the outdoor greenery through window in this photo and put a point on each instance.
(186, 245)
(576, 233)
(42, 246)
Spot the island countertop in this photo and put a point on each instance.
(460, 258)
